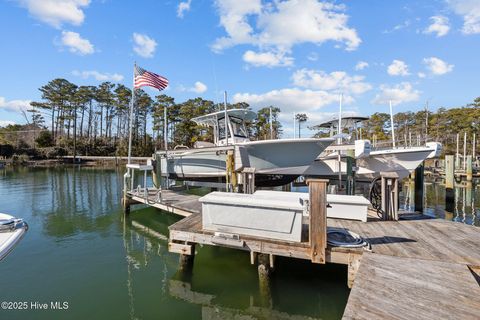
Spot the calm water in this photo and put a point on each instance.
(466, 208)
(80, 250)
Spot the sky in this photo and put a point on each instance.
(299, 55)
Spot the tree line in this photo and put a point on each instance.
(94, 120)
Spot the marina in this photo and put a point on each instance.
(244, 160)
(441, 248)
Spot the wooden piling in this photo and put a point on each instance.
(469, 168)
(457, 160)
(389, 195)
(126, 205)
(186, 260)
(264, 272)
(318, 219)
(419, 187)
(351, 163)
(449, 183)
(468, 194)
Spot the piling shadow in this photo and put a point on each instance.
(388, 239)
(475, 272)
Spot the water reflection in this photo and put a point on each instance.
(223, 284)
(465, 208)
(84, 251)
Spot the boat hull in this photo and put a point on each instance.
(9, 239)
(400, 161)
(276, 162)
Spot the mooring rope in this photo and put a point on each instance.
(345, 238)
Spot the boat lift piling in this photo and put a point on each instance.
(419, 187)
(449, 183)
(389, 195)
(351, 169)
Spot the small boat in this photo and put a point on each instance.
(12, 231)
(276, 162)
(399, 160)
(369, 163)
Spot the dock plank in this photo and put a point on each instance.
(389, 287)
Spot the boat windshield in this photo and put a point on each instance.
(238, 127)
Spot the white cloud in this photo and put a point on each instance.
(313, 56)
(267, 59)
(440, 26)
(144, 45)
(338, 81)
(400, 93)
(308, 21)
(291, 99)
(199, 87)
(98, 75)
(361, 65)
(4, 123)
(437, 66)
(183, 7)
(398, 68)
(76, 43)
(421, 75)
(401, 26)
(14, 105)
(470, 11)
(57, 12)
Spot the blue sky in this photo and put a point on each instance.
(300, 55)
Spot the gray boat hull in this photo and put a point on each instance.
(273, 160)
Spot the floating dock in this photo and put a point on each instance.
(417, 268)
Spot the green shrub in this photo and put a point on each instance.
(44, 139)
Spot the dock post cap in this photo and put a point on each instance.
(310, 180)
(389, 174)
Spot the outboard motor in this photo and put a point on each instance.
(362, 149)
(436, 149)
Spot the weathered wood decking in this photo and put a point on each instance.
(392, 287)
(418, 268)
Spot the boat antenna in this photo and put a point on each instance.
(294, 126)
(271, 124)
(340, 120)
(226, 121)
(391, 123)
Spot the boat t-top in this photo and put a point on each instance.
(276, 162)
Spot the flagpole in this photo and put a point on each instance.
(165, 126)
(132, 103)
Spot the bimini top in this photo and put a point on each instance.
(211, 119)
(346, 122)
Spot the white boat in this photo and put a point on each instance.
(369, 163)
(399, 160)
(276, 162)
(12, 231)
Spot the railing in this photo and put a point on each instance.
(139, 190)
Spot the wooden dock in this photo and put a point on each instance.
(176, 202)
(418, 267)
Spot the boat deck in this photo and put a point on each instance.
(418, 267)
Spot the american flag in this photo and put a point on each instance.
(147, 78)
